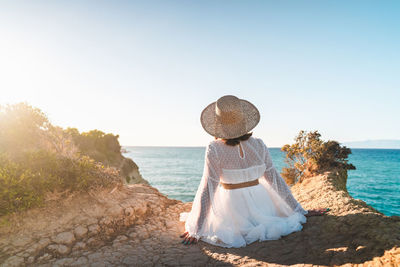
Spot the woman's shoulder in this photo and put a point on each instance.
(212, 144)
(215, 144)
(257, 140)
(214, 147)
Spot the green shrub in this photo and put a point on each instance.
(97, 145)
(37, 157)
(310, 156)
(17, 191)
(22, 128)
(24, 184)
(101, 147)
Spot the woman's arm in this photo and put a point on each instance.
(276, 181)
(205, 192)
(206, 196)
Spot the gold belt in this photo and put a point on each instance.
(239, 185)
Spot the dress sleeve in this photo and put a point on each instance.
(276, 181)
(205, 193)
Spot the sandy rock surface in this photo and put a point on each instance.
(136, 225)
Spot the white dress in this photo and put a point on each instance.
(237, 217)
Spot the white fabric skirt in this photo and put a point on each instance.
(249, 214)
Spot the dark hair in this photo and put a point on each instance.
(236, 141)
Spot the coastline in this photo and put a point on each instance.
(176, 172)
(136, 224)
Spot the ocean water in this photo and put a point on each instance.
(176, 172)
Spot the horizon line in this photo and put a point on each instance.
(392, 148)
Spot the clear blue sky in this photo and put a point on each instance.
(146, 69)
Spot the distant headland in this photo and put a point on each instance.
(383, 143)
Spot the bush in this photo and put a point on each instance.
(102, 147)
(24, 184)
(37, 157)
(22, 128)
(310, 156)
(97, 145)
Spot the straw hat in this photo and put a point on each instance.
(229, 117)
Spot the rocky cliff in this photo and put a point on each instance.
(130, 170)
(136, 225)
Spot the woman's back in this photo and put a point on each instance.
(240, 163)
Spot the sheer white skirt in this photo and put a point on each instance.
(249, 214)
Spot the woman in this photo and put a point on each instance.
(241, 197)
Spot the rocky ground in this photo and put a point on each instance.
(135, 225)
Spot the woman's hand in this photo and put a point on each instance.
(317, 212)
(187, 239)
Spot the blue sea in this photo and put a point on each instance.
(176, 172)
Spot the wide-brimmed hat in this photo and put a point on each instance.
(229, 117)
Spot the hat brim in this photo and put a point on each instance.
(215, 128)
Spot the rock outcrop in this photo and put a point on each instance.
(130, 170)
(136, 225)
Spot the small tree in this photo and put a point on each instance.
(97, 145)
(310, 156)
(22, 128)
